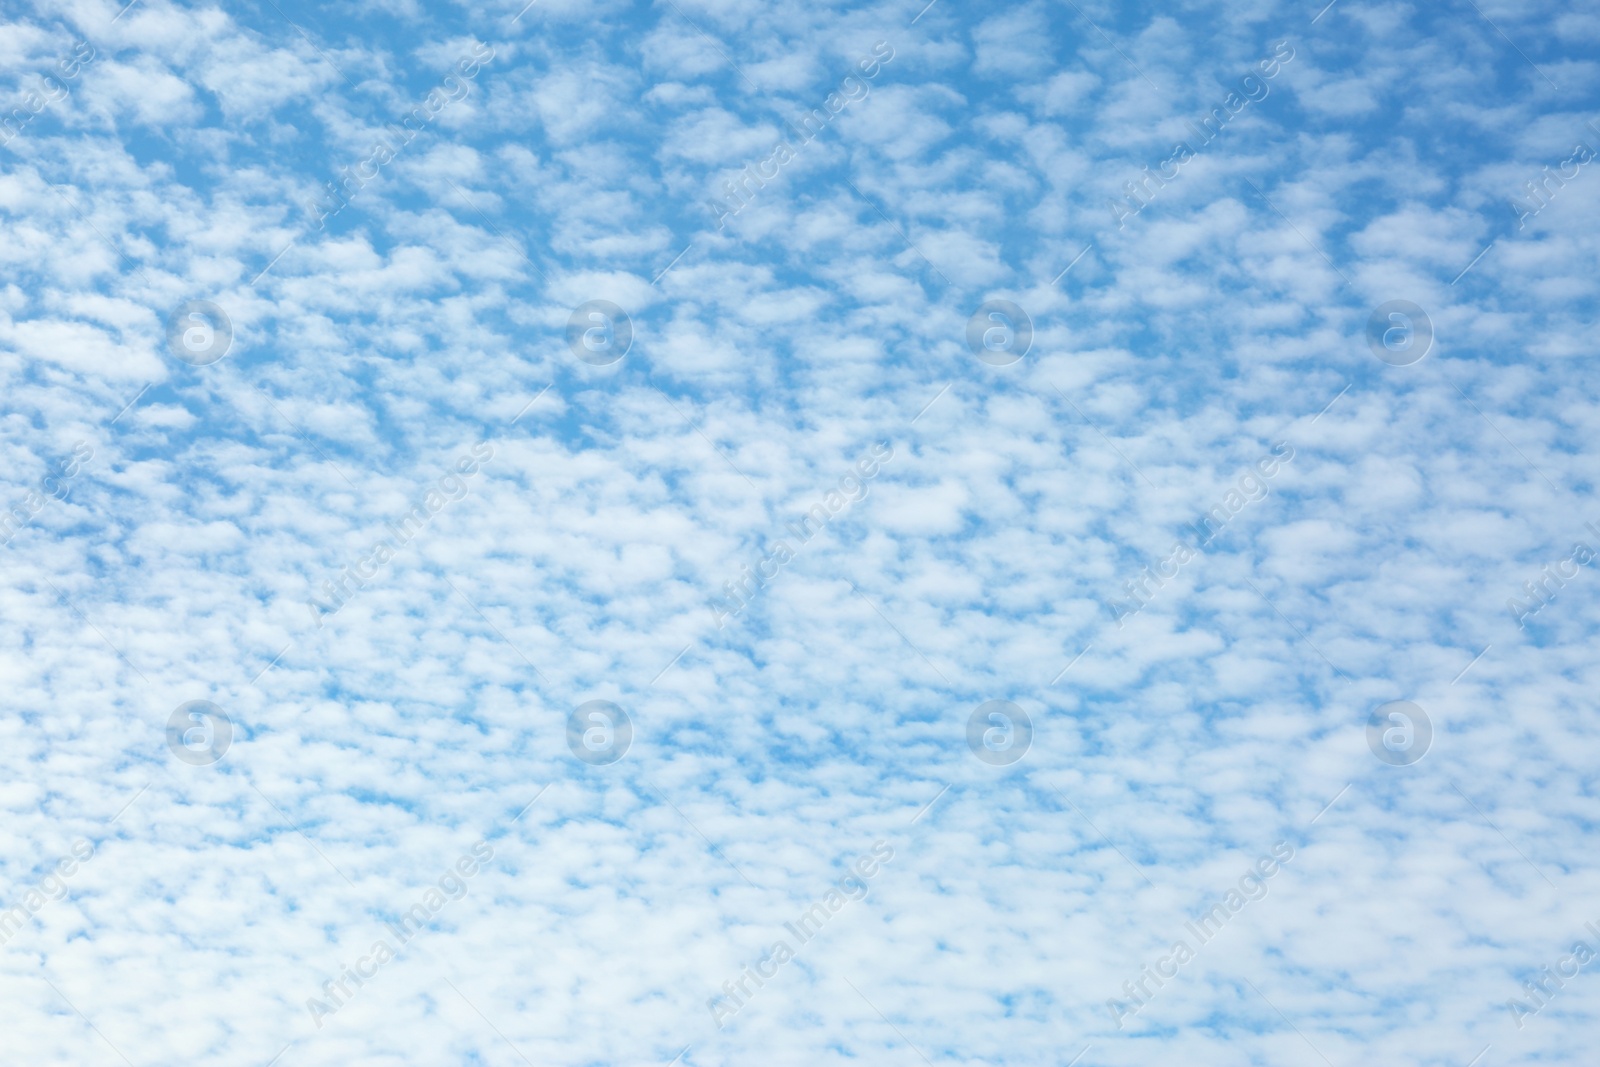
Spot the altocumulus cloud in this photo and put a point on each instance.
(1301, 175)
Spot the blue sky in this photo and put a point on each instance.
(216, 509)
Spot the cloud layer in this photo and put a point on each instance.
(941, 330)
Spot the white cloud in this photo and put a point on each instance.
(581, 562)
